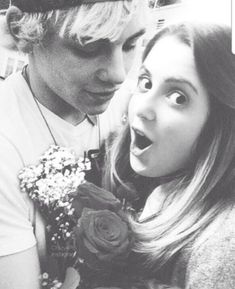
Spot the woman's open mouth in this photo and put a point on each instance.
(140, 140)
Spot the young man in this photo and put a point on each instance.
(79, 53)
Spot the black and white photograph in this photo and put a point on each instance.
(117, 144)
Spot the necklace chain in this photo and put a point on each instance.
(39, 108)
(25, 75)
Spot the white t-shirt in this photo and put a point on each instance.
(24, 137)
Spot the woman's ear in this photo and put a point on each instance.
(13, 15)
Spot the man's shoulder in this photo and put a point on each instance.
(13, 110)
(13, 97)
(9, 95)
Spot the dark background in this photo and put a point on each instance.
(4, 4)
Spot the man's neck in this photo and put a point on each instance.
(45, 96)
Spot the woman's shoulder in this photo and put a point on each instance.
(221, 231)
(209, 261)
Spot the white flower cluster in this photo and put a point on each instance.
(46, 282)
(54, 178)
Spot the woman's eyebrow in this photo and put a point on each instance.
(144, 69)
(182, 81)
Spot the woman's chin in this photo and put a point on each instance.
(142, 170)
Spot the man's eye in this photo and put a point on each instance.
(129, 46)
(177, 98)
(91, 49)
(144, 83)
(83, 51)
(93, 46)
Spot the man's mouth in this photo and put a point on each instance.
(102, 94)
(141, 141)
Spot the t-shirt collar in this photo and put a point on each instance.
(92, 119)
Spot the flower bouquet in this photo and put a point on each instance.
(87, 226)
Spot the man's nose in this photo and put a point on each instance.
(113, 69)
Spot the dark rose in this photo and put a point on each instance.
(90, 196)
(102, 238)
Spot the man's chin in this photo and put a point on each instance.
(98, 109)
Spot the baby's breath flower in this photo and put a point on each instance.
(45, 275)
(51, 183)
(49, 283)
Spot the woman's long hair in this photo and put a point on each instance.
(199, 194)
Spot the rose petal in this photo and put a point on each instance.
(90, 247)
(102, 235)
(91, 196)
(97, 236)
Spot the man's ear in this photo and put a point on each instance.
(13, 15)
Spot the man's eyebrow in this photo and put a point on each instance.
(182, 81)
(136, 35)
(106, 40)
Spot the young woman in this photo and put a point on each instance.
(181, 135)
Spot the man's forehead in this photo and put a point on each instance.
(47, 5)
(123, 38)
(136, 26)
(131, 31)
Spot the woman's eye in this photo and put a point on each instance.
(144, 83)
(177, 98)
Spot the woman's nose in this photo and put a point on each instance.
(113, 68)
(146, 112)
(146, 115)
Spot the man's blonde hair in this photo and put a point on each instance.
(86, 23)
